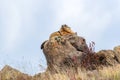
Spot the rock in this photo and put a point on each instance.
(59, 52)
(78, 42)
(117, 52)
(107, 57)
(71, 51)
(64, 50)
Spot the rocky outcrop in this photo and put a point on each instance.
(60, 51)
(71, 51)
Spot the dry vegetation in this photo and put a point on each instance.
(107, 73)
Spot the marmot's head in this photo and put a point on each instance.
(66, 28)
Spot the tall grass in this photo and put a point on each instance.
(107, 73)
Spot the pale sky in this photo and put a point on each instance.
(25, 24)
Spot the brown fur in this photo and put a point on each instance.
(64, 30)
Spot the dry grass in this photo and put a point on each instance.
(107, 73)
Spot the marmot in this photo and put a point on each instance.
(64, 30)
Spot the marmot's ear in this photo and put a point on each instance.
(42, 45)
(64, 25)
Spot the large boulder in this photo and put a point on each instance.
(61, 52)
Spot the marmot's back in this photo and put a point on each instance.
(55, 34)
(64, 30)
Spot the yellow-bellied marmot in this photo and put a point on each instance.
(64, 30)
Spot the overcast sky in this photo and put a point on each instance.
(25, 24)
